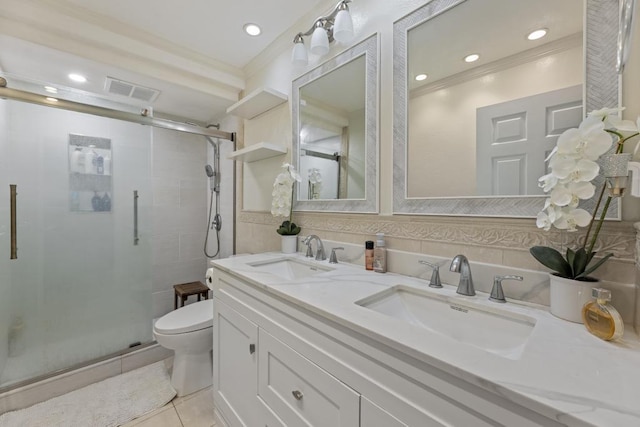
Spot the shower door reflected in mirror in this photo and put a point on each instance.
(335, 112)
(332, 115)
(79, 289)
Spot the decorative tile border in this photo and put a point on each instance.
(618, 238)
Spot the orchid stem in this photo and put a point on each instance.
(593, 217)
(599, 226)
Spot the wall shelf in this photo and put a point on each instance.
(259, 151)
(257, 102)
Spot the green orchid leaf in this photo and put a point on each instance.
(552, 259)
(580, 262)
(571, 255)
(595, 266)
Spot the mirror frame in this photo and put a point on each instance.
(600, 89)
(368, 48)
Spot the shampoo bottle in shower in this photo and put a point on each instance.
(601, 318)
(96, 202)
(105, 203)
(76, 162)
(90, 162)
(100, 165)
(380, 255)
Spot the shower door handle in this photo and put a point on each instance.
(136, 239)
(14, 229)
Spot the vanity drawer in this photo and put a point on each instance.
(301, 392)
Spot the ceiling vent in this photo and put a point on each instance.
(130, 90)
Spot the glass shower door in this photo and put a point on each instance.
(81, 287)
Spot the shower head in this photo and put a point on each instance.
(209, 170)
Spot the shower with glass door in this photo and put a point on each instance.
(75, 225)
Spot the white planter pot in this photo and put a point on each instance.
(289, 244)
(568, 296)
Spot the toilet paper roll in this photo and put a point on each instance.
(208, 276)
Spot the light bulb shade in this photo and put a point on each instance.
(319, 41)
(343, 27)
(299, 55)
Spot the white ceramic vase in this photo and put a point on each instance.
(568, 296)
(289, 244)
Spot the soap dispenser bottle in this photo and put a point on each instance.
(380, 255)
(601, 318)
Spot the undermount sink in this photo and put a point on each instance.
(289, 268)
(494, 330)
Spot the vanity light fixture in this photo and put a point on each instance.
(421, 77)
(471, 58)
(537, 34)
(338, 25)
(78, 78)
(51, 89)
(252, 29)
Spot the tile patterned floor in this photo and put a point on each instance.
(194, 410)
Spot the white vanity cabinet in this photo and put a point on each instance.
(310, 370)
(236, 366)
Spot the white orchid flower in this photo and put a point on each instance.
(568, 169)
(589, 140)
(571, 219)
(624, 125)
(571, 194)
(547, 182)
(544, 221)
(605, 114)
(283, 191)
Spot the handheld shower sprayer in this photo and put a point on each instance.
(214, 183)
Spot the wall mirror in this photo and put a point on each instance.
(335, 136)
(471, 133)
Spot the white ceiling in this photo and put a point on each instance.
(494, 29)
(194, 52)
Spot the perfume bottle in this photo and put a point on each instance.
(601, 318)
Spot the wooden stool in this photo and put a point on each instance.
(184, 290)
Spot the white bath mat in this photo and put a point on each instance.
(111, 402)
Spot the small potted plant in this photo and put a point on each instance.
(573, 166)
(282, 206)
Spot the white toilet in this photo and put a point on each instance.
(188, 331)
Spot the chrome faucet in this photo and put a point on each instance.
(460, 264)
(320, 255)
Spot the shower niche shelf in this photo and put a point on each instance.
(257, 102)
(90, 179)
(259, 151)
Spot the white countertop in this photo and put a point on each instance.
(564, 372)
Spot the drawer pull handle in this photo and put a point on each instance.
(297, 394)
(252, 348)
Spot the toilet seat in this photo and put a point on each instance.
(189, 318)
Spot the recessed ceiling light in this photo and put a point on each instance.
(421, 77)
(471, 58)
(77, 78)
(51, 89)
(537, 34)
(252, 29)
(51, 99)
